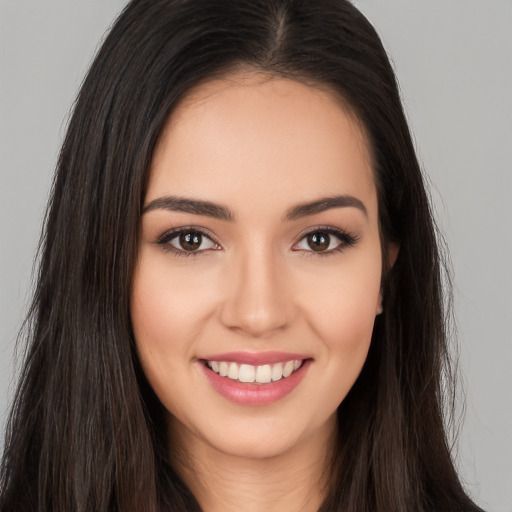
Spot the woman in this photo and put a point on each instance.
(239, 302)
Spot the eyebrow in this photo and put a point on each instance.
(194, 206)
(218, 211)
(326, 203)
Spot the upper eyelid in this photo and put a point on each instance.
(346, 238)
(170, 233)
(333, 230)
(164, 241)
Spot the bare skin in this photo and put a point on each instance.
(278, 266)
(295, 480)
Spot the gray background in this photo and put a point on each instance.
(454, 63)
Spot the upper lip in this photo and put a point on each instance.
(256, 358)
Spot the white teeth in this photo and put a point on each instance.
(223, 369)
(277, 372)
(264, 374)
(247, 373)
(256, 374)
(288, 369)
(233, 371)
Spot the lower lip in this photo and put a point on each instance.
(255, 394)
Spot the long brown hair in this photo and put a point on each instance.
(86, 432)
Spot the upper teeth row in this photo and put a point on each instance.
(249, 373)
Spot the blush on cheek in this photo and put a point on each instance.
(351, 317)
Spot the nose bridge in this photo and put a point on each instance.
(257, 303)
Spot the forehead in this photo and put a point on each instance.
(244, 135)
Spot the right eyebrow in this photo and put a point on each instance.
(194, 206)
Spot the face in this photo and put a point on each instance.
(259, 266)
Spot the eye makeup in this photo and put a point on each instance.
(187, 241)
(325, 241)
(192, 241)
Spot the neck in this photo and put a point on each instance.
(295, 480)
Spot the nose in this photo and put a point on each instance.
(256, 303)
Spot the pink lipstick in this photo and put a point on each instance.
(249, 378)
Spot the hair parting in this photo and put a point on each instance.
(86, 432)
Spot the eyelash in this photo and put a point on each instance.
(346, 239)
(165, 239)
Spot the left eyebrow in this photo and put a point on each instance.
(326, 203)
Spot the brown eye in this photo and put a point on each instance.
(326, 241)
(319, 241)
(187, 241)
(190, 241)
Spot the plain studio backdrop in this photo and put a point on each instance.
(454, 64)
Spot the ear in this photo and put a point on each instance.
(392, 254)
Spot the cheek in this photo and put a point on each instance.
(168, 305)
(341, 305)
(341, 310)
(168, 308)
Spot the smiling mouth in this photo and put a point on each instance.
(247, 373)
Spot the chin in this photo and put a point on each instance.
(253, 438)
